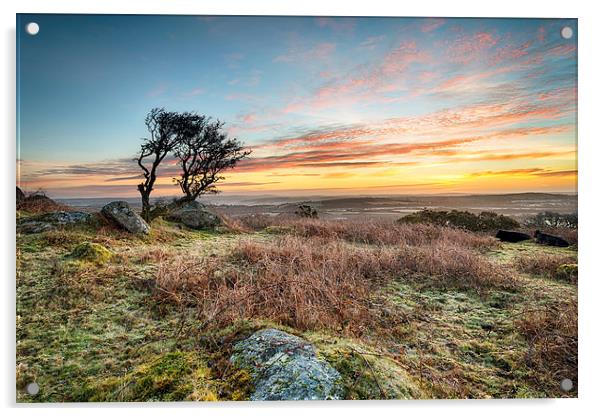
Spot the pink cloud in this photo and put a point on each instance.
(510, 53)
(561, 50)
(249, 118)
(541, 34)
(372, 42)
(362, 84)
(467, 48)
(432, 24)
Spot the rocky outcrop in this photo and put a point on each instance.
(512, 236)
(37, 202)
(285, 367)
(120, 213)
(51, 220)
(20, 195)
(194, 215)
(550, 240)
(65, 217)
(34, 227)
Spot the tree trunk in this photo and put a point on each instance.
(146, 206)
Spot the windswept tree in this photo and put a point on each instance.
(166, 129)
(204, 153)
(200, 146)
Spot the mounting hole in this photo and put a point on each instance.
(32, 28)
(566, 32)
(566, 384)
(32, 388)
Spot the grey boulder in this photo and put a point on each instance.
(34, 227)
(285, 367)
(120, 213)
(195, 215)
(51, 220)
(65, 217)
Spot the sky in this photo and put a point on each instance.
(348, 106)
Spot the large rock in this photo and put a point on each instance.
(65, 217)
(51, 220)
(120, 213)
(195, 215)
(550, 240)
(34, 227)
(512, 236)
(285, 367)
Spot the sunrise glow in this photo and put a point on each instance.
(327, 105)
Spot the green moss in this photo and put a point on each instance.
(92, 252)
(365, 371)
(507, 252)
(173, 376)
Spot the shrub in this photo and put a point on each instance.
(485, 221)
(382, 233)
(548, 265)
(553, 220)
(370, 231)
(567, 272)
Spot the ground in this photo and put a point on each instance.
(92, 328)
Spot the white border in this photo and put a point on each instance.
(590, 112)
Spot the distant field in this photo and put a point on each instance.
(375, 207)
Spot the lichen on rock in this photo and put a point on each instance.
(120, 213)
(285, 367)
(196, 216)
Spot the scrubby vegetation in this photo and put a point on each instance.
(37, 203)
(552, 266)
(551, 332)
(485, 221)
(553, 219)
(401, 310)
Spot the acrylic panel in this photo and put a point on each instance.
(295, 208)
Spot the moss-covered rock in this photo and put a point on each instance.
(285, 367)
(92, 252)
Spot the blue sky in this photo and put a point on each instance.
(463, 105)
